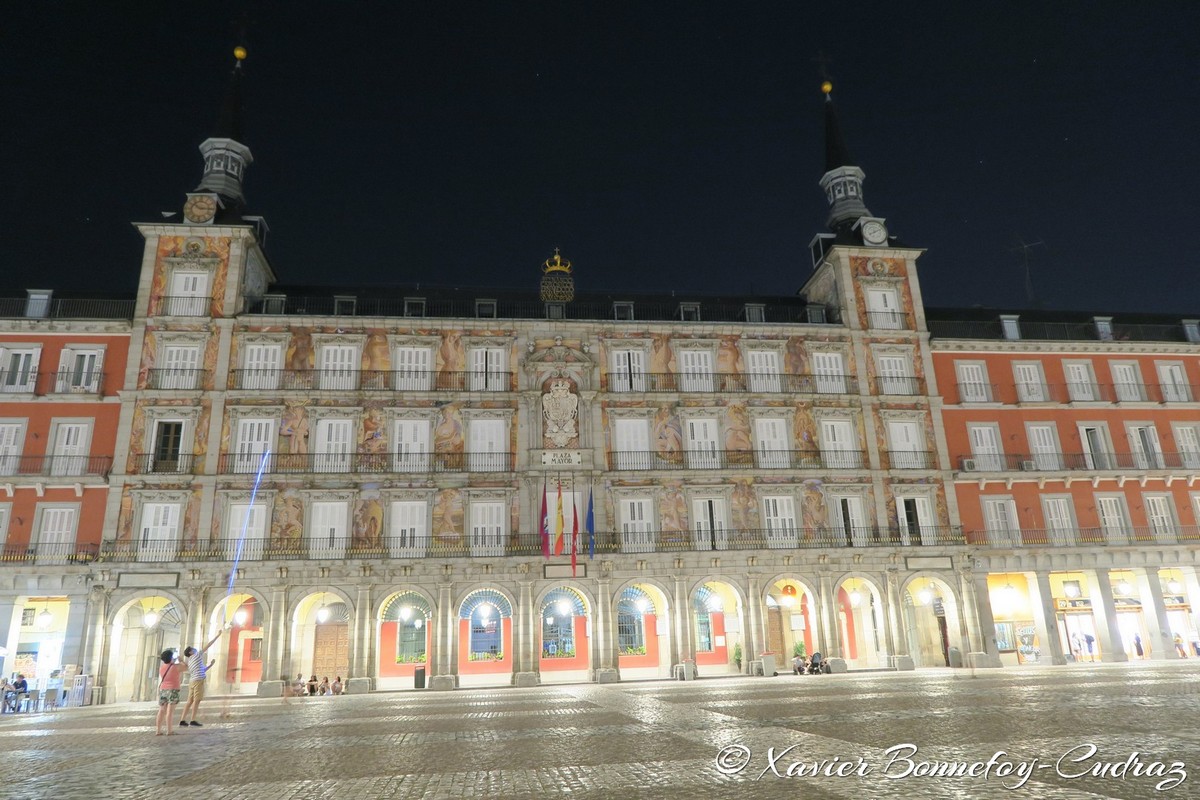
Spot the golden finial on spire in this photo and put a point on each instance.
(827, 87)
(557, 284)
(239, 53)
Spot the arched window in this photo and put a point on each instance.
(704, 604)
(411, 614)
(486, 610)
(559, 610)
(632, 609)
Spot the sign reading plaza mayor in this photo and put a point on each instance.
(562, 458)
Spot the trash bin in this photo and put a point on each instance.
(419, 678)
(768, 662)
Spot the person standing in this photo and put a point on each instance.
(197, 669)
(169, 675)
(1179, 648)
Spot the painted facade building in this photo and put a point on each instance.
(399, 486)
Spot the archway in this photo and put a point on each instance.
(643, 638)
(239, 650)
(791, 622)
(717, 628)
(565, 642)
(932, 623)
(405, 634)
(141, 629)
(859, 608)
(321, 636)
(485, 639)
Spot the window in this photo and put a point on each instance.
(1127, 382)
(830, 373)
(56, 534)
(409, 533)
(274, 304)
(558, 631)
(1187, 442)
(261, 366)
(412, 453)
(487, 632)
(18, 369)
(756, 312)
(334, 450)
(1060, 520)
(985, 448)
(1081, 387)
(689, 312)
(916, 521)
(1094, 439)
(1173, 382)
(1031, 387)
(1160, 516)
(488, 439)
(631, 623)
(327, 530)
(815, 314)
(338, 367)
(1191, 330)
(71, 444)
(696, 371)
(79, 369)
(189, 294)
(487, 528)
(764, 370)
(180, 368)
(772, 445)
(255, 437)
(12, 435)
(839, 444)
(703, 449)
(849, 521)
(907, 445)
(1043, 446)
(160, 532)
(488, 365)
(246, 528)
(1143, 443)
(1000, 517)
(709, 528)
(414, 306)
(37, 304)
(5, 513)
(485, 309)
(168, 444)
(895, 376)
(631, 444)
(411, 639)
(411, 369)
(883, 309)
(973, 386)
(628, 372)
(779, 520)
(623, 311)
(637, 529)
(556, 310)
(1114, 520)
(1010, 326)
(1104, 329)
(344, 306)
(256, 649)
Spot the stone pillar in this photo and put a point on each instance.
(604, 660)
(830, 621)
(983, 631)
(756, 641)
(10, 630)
(103, 645)
(1112, 648)
(684, 645)
(525, 656)
(1161, 645)
(444, 676)
(1191, 593)
(96, 634)
(76, 633)
(885, 615)
(1045, 616)
(277, 664)
(894, 606)
(361, 679)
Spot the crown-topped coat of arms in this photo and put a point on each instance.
(560, 410)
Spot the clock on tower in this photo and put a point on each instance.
(200, 208)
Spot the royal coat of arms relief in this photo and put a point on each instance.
(560, 414)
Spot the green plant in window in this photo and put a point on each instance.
(635, 651)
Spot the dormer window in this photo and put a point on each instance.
(1191, 330)
(623, 311)
(344, 305)
(756, 312)
(274, 303)
(1104, 329)
(414, 306)
(485, 309)
(37, 305)
(689, 312)
(816, 314)
(556, 311)
(1011, 327)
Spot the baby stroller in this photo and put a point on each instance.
(815, 664)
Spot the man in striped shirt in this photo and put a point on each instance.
(197, 669)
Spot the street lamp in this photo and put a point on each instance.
(642, 605)
(45, 618)
(323, 611)
(240, 617)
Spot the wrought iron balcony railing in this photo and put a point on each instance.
(49, 553)
(177, 379)
(888, 320)
(528, 544)
(162, 464)
(65, 308)
(737, 459)
(364, 463)
(899, 385)
(1057, 462)
(910, 459)
(725, 382)
(66, 381)
(403, 380)
(180, 306)
(1083, 537)
(55, 466)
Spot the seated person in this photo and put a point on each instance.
(798, 665)
(10, 697)
(21, 689)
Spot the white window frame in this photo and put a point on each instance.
(974, 385)
(987, 447)
(638, 523)
(884, 303)
(1144, 445)
(1045, 455)
(247, 454)
(1030, 391)
(75, 462)
(180, 368)
(627, 368)
(855, 530)
(1092, 458)
(897, 379)
(185, 300)
(412, 367)
(1081, 382)
(836, 453)
(327, 533)
(765, 455)
(1163, 521)
(408, 525)
(1173, 391)
(696, 368)
(12, 445)
(927, 522)
(5, 517)
(1058, 514)
(781, 528)
(764, 369)
(339, 364)
(412, 444)
(1187, 443)
(257, 525)
(702, 453)
(1000, 520)
(709, 515)
(488, 367)
(263, 371)
(337, 453)
(825, 381)
(22, 379)
(1108, 508)
(487, 526)
(628, 433)
(160, 525)
(60, 550)
(495, 457)
(913, 456)
(1127, 391)
(85, 380)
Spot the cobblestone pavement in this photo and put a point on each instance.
(654, 740)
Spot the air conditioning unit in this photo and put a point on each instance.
(1029, 466)
(969, 465)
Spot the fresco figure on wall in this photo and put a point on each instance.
(448, 514)
(737, 434)
(287, 523)
(368, 523)
(448, 432)
(667, 435)
(293, 427)
(814, 513)
(300, 350)
(451, 357)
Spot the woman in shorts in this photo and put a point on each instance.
(169, 675)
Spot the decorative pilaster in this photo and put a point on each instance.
(981, 625)
(830, 629)
(277, 669)
(444, 677)
(1045, 617)
(1161, 646)
(525, 657)
(1112, 649)
(604, 660)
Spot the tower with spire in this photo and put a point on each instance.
(843, 184)
(225, 159)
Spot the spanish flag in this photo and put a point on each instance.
(558, 525)
(544, 522)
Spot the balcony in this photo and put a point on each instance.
(159, 464)
(43, 383)
(364, 463)
(976, 393)
(530, 544)
(1084, 537)
(177, 379)
(49, 553)
(179, 306)
(888, 321)
(910, 459)
(725, 383)
(1058, 462)
(409, 380)
(637, 460)
(55, 466)
(899, 385)
(1080, 331)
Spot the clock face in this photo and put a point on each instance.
(874, 233)
(200, 208)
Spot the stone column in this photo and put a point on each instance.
(684, 646)
(10, 630)
(103, 644)
(1191, 593)
(830, 621)
(96, 634)
(1161, 645)
(1045, 616)
(981, 625)
(604, 658)
(525, 657)
(76, 634)
(361, 680)
(444, 670)
(893, 612)
(885, 616)
(277, 665)
(1112, 648)
(757, 641)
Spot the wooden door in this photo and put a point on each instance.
(331, 651)
(775, 636)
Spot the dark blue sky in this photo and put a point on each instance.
(660, 145)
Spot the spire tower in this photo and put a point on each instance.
(842, 181)
(225, 157)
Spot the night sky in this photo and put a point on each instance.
(660, 145)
